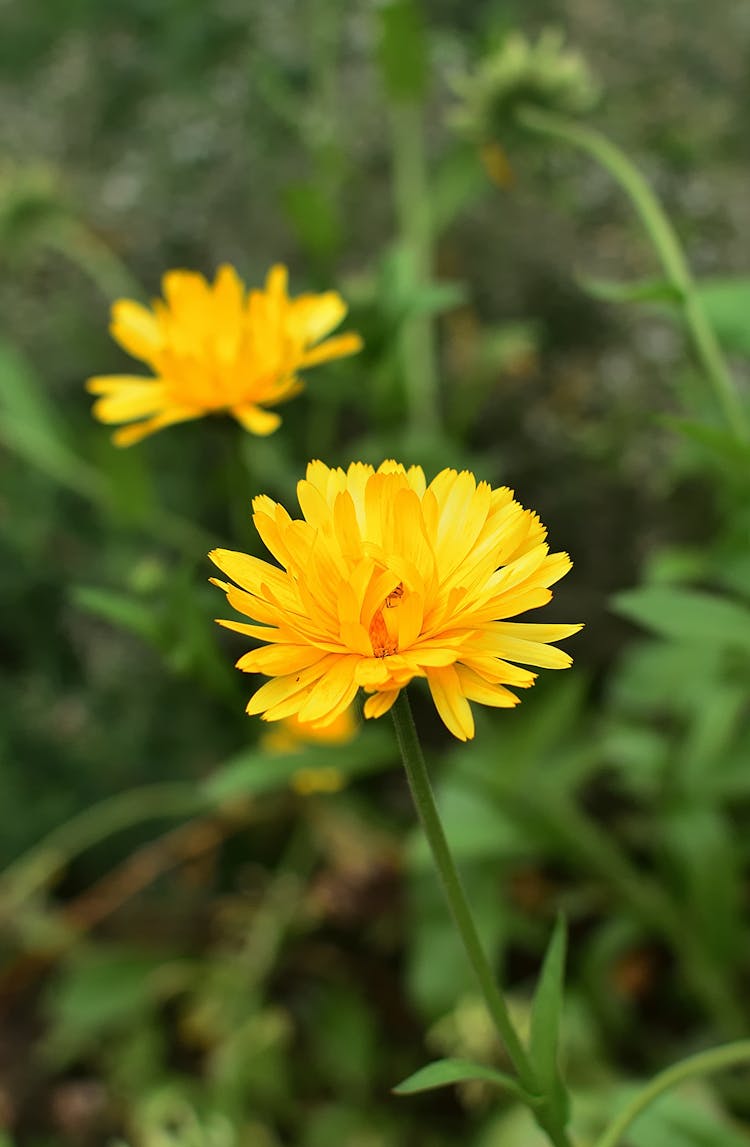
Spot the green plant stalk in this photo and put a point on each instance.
(424, 801)
(705, 1063)
(417, 336)
(665, 243)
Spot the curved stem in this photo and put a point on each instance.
(94, 258)
(424, 800)
(36, 868)
(666, 244)
(704, 1063)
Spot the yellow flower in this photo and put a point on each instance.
(217, 348)
(305, 782)
(292, 734)
(386, 578)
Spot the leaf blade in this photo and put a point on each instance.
(445, 1072)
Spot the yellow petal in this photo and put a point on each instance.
(332, 692)
(277, 281)
(228, 312)
(136, 329)
(533, 653)
(475, 688)
(130, 402)
(379, 703)
(128, 435)
(256, 420)
(280, 689)
(279, 660)
(338, 347)
(312, 317)
(108, 383)
(450, 702)
(536, 632)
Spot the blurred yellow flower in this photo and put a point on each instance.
(306, 782)
(291, 733)
(217, 347)
(386, 578)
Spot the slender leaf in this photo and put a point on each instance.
(546, 1012)
(692, 616)
(31, 427)
(256, 771)
(723, 445)
(120, 609)
(727, 306)
(445, 1072)
(643, 291)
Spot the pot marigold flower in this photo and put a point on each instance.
(217, 347)
(386, 578)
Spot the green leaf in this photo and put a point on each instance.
(689, 1117)
(31, 428)
(458, 182)
(435, 298)
(476, 827)
(692, 616)
(403, 51)
(99, 992)
(120, 609)
(255, 771)
(703, 851)
(643, 291)
(445, 1072)
(313, 217)
(546, 1012)
(727, 306)
(723, 446)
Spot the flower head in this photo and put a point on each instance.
(217, 347)
(384, 579)
(542, 74)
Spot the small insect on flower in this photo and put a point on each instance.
(386, 578)
(217, 348)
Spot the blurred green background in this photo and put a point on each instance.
(193, 952)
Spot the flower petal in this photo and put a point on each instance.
(128, 435)
(339, 347)
(379, 703)
(136, 330)
(450, 702)
(256, 420)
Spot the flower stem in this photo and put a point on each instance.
(704, 1063)
(417, 336)
(667, 246)
(424, 800)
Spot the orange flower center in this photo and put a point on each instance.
(383, 642)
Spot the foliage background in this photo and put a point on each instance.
(217, 959)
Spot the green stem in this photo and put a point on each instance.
(666, 245)
(424, 800)
(704, 1063)
(411, 190)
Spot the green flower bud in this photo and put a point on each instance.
(520, 73)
